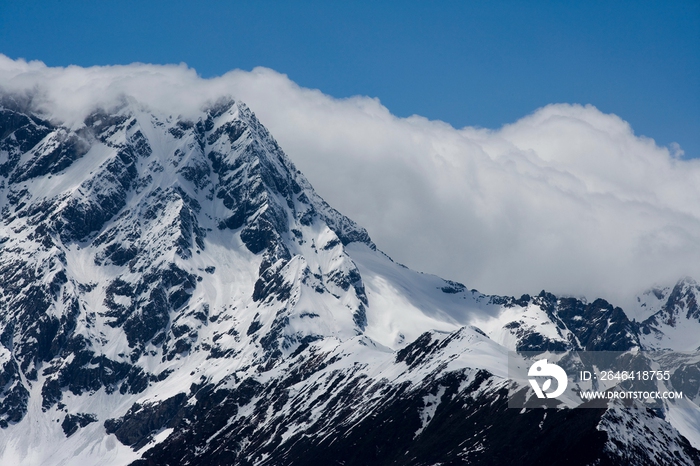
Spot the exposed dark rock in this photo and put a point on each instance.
(72, 422)
(138, 425)
(453, 287)
(600, 326)
(14, 397)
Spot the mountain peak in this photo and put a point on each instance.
(140, 200)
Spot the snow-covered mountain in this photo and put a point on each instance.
(173, 291)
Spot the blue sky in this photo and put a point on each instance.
(467, 63)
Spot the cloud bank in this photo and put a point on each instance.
(566, 199)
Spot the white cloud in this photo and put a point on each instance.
(568, 198)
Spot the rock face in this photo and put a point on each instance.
(173, 291)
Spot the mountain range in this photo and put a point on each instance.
(174, 292)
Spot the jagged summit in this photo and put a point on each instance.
(670, 316)
(105, 187)
(114, 234)
(173, 291)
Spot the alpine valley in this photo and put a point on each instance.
(174, 292)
